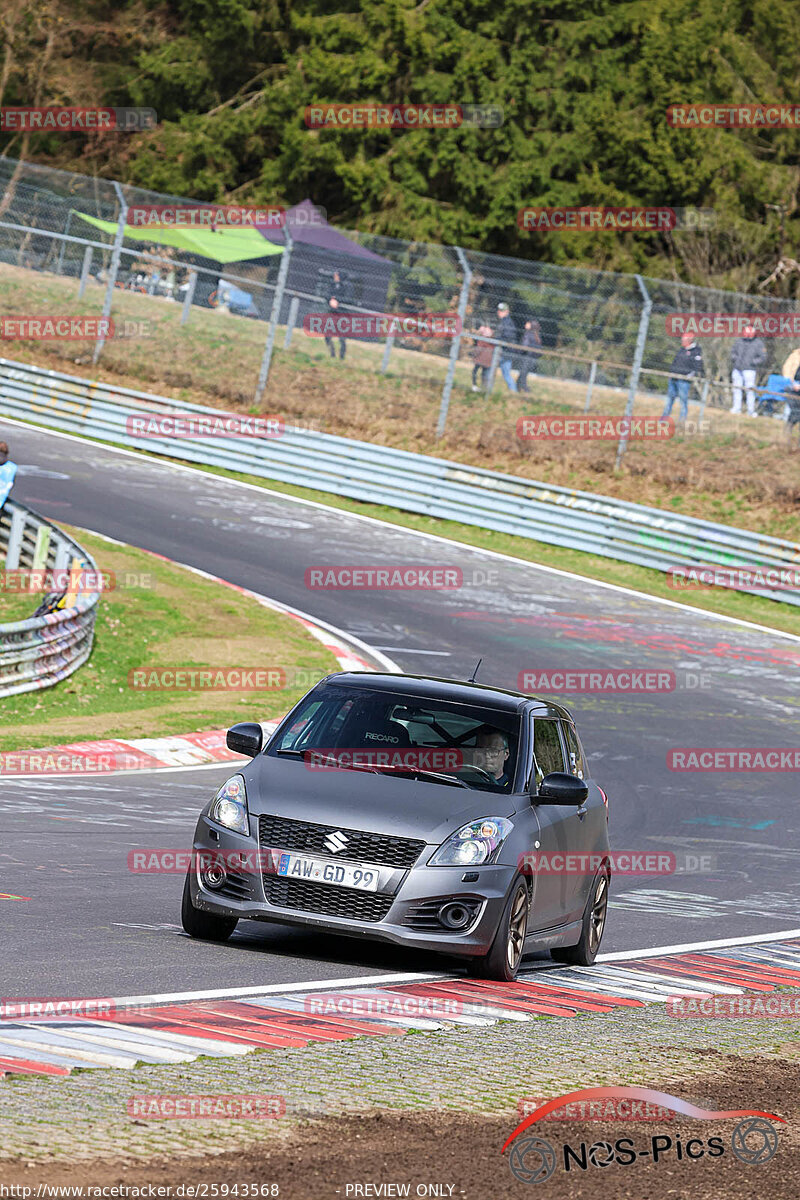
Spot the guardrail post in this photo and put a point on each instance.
(492, 370)
(85, 270)
(42, 547)
(113, 269)
(15, 533)
(291, 321)
(590, 386)
(277, 300)
(641, 338)
(189, 297)
(455, 345)
(387, 350)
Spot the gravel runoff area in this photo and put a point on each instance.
(422, 1109)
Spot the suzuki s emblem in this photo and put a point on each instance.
(335, 842)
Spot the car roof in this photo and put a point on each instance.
(456, 690)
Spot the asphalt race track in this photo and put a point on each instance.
(92, 928)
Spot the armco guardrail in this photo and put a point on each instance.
(557, 516)
(40, 651)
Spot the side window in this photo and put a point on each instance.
(574, 752)
(547, 746)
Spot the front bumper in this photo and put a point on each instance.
(403, 892)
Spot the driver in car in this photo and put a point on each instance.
(491, 753)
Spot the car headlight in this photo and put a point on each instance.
(473, 844)
(229, 807)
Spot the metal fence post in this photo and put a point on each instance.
(291, 321)
(641, 338)
(492, 370)
(590, 386)
(456, 343)
(387, 350)
(63, 243)
(277, 300)
(113, 269)
(704, 398)
(189, 297)
(85, 270)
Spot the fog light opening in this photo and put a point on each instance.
(455, 915)
(213, 875)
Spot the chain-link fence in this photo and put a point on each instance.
(563, 324)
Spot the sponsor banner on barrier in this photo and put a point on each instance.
(381, 325)
(733, 116)
(54, 119)
(245, 1107)
(734, 1007)
(703, 578)
(716, 758)
(597, 428)
(416, 577)
(48, 1008)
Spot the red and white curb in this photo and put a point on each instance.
(235, 1022)
(190, 749)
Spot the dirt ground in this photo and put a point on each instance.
(460, 1154)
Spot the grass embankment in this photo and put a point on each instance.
(737, 472)
(160, 617)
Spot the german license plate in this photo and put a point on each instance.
(319, 870)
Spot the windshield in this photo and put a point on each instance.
(435, 740)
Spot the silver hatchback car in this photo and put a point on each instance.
(425, 812)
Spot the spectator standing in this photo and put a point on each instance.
(793, 408)
(747, 355)
(532, 337)
(687, 364)
(8, 470)
(481, 356)
(506, 332)
(335, 296)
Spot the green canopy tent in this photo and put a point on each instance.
(220, 245)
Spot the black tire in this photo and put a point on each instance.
(503, 960)
(592, 929)
(204, 925)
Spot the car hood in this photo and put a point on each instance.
(374, 803)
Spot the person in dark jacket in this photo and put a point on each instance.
(531, 336)
(506, 332)
(687, 364)
(747, 355)
(482, 357)
(335, 297)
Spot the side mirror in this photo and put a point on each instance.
(245, 738)
(560, 788)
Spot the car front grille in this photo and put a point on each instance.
(322, 898)
(235, 885)
(282, 833)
